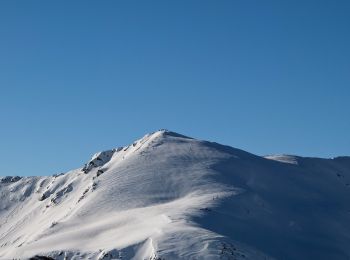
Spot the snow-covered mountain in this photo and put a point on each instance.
(168, 196)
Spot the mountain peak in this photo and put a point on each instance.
(156, 138)
(167, 132)
(168, 196)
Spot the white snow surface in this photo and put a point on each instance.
(283, 158)
(168, 196)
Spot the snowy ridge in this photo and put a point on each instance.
(168, 196)
(283, 158)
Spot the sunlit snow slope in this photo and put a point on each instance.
(168, 196)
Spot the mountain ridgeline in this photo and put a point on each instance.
(168, 196)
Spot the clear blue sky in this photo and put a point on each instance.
(77, 77)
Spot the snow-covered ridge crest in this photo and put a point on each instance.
(101, 158)
(168, 196)
(284, 158)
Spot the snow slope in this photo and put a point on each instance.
(168, 196)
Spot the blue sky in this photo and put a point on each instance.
(77, 77)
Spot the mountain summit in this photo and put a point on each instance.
(168, 196)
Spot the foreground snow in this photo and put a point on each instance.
(168, 196)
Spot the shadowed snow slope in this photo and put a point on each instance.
(168, 196)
